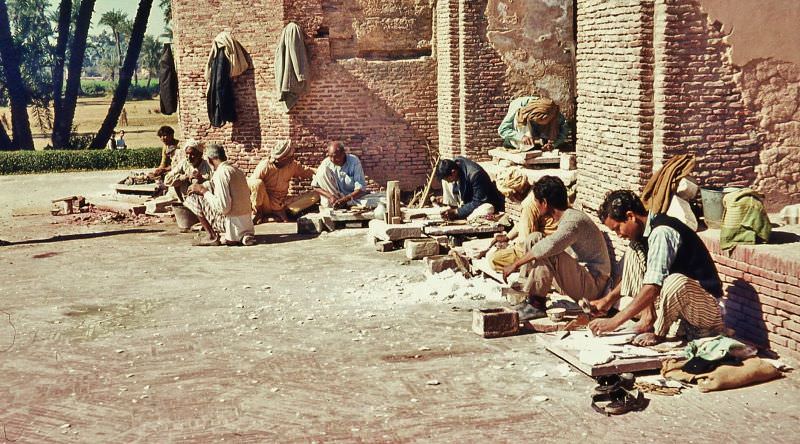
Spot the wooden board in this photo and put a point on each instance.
(616, 366)
(347, 216)
(451, 230)
(147, 189)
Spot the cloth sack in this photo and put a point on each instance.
(744, 219)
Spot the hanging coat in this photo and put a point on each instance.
(167, 82)
(220, 99)
(291, 65)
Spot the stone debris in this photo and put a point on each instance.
(433, 382)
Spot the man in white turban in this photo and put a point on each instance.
(192, 169)
(269, 183)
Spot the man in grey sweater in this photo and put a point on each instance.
(575, 256)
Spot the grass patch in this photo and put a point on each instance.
(56, 161)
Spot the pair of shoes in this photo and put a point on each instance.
(528, 312)
(610, 383)
(619, 402)
(248, 240)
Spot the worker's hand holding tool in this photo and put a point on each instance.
(449, 214)
(196, 188)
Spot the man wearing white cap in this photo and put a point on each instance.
(269, 183)
(192, 169)
(222, 204)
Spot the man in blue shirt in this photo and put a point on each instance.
(340, 180)
(533, 120)
(677, 281)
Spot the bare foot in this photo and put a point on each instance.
(647, 339)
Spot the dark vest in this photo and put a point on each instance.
(692, 258)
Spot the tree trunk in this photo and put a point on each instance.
(117, 38)
(149, 79)
(17, 93)
(5, 142)
(64, 116)
(121, 92)
(64, 17)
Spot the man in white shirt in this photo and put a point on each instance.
(223, 205)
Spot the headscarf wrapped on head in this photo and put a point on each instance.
(543, 112)
(191, 143)
(282, 150)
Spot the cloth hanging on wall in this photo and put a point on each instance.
(167, 82)
(226, 61)
(291, 65)
(658, 191)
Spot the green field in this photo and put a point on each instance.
(144, 119)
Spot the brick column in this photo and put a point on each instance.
(447, 56)
(615, 95)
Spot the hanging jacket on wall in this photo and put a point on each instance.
(167, 82)
(220, 98)
(227, 60)
(291, 65)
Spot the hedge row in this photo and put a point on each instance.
(22, 162)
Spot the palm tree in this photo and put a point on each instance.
(125, 74)
(64, 16)
(17, 92)
(65, 115)
(116, 21)
(150, 57)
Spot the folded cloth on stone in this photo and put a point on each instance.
(714, 349)
(744, 219)
(542, 111)
(659, 190)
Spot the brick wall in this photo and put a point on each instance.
(762, 292)
(615, 111)
(383, 108)
(699, 106)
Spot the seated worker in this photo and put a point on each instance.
(340, 180)
(677, 281)
(168, 152)
(269, 183)
(575, 256)
(466, 185)
(193, 169)
(223, 204)
(531, 120)
(511, 246)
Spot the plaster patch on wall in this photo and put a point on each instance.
(772, 88)
(535, 40)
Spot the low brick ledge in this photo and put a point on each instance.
(762, 289)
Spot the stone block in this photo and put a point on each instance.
(495, 322)
(437, 264)
(394, 232)
(311, 224)
(421, 248)
(384, 246)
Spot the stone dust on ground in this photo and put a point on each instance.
(115, 333)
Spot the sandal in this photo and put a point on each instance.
(610, 383)
(619, 402)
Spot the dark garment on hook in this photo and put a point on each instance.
(221, 101)
(167, 82)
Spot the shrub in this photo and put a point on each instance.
(94, 88)
(22, 162)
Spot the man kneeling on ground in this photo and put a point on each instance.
(340, 180)
(269, 183)
(676, 281)
(575, 256)
(466, 185)
(224, 206)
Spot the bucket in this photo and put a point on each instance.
(712, 206)
(183, 217)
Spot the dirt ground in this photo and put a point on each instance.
(144, 119)
(111, 333)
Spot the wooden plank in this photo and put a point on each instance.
(452, 230)
(148, 189)
(347, 215)
(618, 365)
